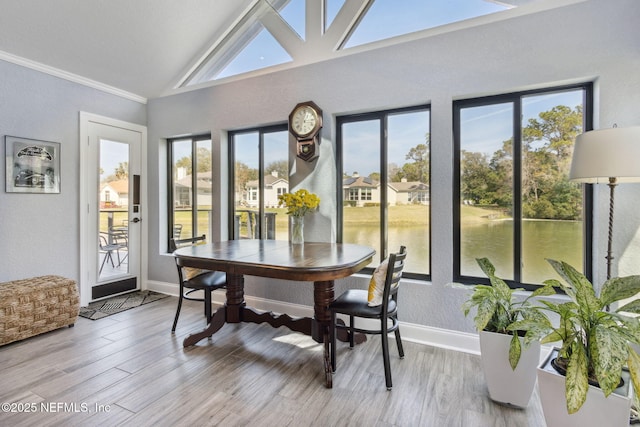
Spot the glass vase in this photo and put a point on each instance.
(297, 230)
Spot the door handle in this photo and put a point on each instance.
(136, 220)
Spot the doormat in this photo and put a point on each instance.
(107, 307)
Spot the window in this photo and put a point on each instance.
(260, 173)
(513, 201)
(274, 32)
(190, 195)
(389, 18)
(385, 162)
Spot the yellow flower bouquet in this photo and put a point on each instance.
(299, 203)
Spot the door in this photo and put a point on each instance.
(112, 211)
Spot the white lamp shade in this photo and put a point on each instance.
(607, 153)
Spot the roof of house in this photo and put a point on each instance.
(202, 178)
(120, 186)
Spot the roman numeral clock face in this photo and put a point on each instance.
(304, 121)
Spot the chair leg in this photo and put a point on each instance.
(399, 343)
(385, 354)
(207, 305)
(102, 265)
(175, 321)
(352, 333)
(332, 336)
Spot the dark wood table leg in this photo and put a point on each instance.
(322, 297)
(230, 313)
(235, 297)
(217, 322)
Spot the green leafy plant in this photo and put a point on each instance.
(497, 310)
(596, 342)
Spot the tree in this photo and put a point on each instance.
(244, 174)
(122, 171)
(557, 129)
(203, 159)
(547, 149)
(475, 170)
(547, 146)
(280, 166)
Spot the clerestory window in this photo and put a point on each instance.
(281, 33)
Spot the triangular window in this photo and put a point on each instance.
(293, 12)
(390, 18)
(332, 7)
(261, 52)
(273, 32)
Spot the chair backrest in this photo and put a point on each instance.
(102, 241)
(186, 273)
(394, 274)
(179, 243)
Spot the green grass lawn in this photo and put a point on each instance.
(403, 215)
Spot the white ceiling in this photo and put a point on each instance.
(142, 47)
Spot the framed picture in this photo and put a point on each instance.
(32, 166)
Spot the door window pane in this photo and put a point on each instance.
(114, 209)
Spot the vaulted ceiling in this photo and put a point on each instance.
(140, 46)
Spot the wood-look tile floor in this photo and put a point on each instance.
(128, 369)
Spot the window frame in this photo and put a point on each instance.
(261, 131)
(587, 189)
(194, 178)
(381, 116)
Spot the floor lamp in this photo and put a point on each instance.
(609, 156)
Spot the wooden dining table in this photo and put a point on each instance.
(317, 262)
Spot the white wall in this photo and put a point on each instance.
(591, 41)
(40, 232)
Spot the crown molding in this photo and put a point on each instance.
(37, 66)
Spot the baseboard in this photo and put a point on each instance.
(421, 334)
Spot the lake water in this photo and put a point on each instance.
(561, 240)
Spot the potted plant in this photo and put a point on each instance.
(596, 344)
(508, 359)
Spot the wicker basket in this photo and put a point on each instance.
(33, 306)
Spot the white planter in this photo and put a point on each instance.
(507, 386)
(612, 411)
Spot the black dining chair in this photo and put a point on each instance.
(195, 279)
(355, 303)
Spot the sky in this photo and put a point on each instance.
(484, 128)
(384, 19)
(111, 155)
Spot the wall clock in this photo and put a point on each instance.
(305, 122)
